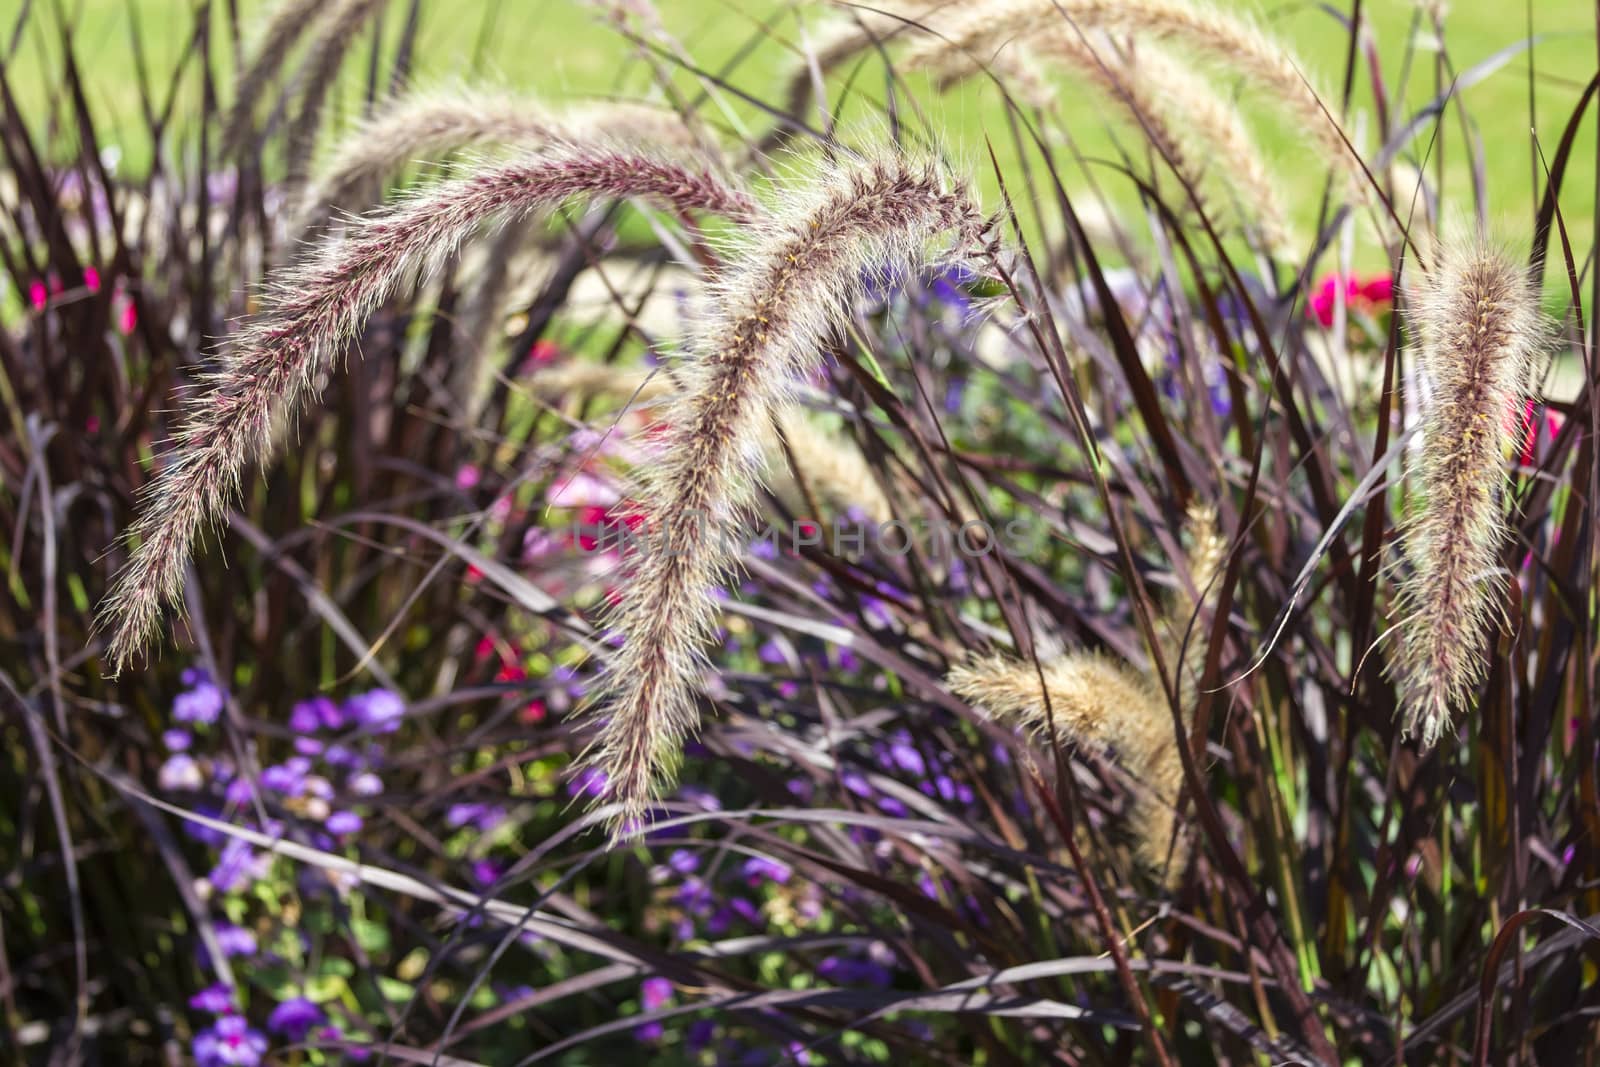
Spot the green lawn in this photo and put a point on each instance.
(560, 49)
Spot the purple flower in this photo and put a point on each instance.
(229, 1043)
(906, 757)
(648, 1032)
(683, 862)
(339, 756)
(205, 834)
(771, 653)
(842, 970)
(700, 1034)
(759, 869)
(294, 1018)
(235, 940)
(655, 993)
(877, 610)
(378, 710)
(343, 822)
(303, 719)
(589, 782)
(239, 791)
(201, 704)
(365, 784)
(703, 799)
(1221, 399)
(336, 1038)
(177, 740)
(856, 782)
(737, 908)
(180, 773)
(237, 866)
(953, 393)
(485, 817)
(695, 897)
(485, 872)
(286, 778)
(216, 999)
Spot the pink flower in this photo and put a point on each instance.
(582, 490)
(543, 351)
(128, 317)
(38, 295)
(1379, 289)
(1533, 428)
(91, 279)
(1362, 295)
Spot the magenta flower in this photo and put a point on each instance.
(230, 1042)
(655, 994)
(1365, 295)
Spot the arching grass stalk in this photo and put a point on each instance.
(317, 306)
(1233, 41)
(774, 308)
(428, 125)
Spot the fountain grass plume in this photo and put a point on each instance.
(316, 78)
(1477, 329)
(426, 125)
(1103, 704)
(1189, 123)
(1184, 624)
(863, 30)
(318, 305)
(1212, 129)
(286, 23)
(773, 309)
(1097, 703)
(1231, 40)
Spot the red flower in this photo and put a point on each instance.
(1361, 294)
(543, 351)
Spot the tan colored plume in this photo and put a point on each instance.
(1100, 703)
(775, 305)
(1476, 327)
